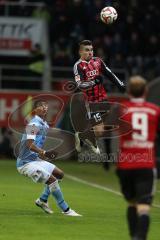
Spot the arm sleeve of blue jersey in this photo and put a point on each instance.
(112, 77)
(31, 131)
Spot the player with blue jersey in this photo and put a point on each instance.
(32, 160)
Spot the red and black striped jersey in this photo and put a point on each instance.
(138, 146)
(86, 74)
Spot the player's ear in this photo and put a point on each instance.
(80, 50)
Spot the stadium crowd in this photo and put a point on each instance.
(131, 42)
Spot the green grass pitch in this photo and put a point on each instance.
(103, 212)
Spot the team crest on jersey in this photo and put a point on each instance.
(96, 64)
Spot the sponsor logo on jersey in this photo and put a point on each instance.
(92, 73)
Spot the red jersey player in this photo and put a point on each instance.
(88, 71)
(136, 162)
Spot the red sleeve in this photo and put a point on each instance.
(159, 119)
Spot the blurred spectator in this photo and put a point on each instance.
(118, 61)
(153, 46)
(41, 12)
(134, 36)
(7, 143)
(37, 59)
(61, 52)
(77, 12)
(2, 8)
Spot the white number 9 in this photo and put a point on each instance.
(140, 123)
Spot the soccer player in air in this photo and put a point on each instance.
(32, 163)
(136, 163)
(89, 72)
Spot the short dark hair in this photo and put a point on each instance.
(137, 86)
(85, 43)
(39, 103)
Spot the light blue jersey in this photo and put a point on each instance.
(37, 130)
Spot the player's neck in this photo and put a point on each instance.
(140, 99)
(41, 117)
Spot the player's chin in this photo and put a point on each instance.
(89, 57)
(45, 114)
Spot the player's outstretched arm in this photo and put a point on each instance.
(81, 83)
(88, 84)
(107, 71)
(85, 85)
(50, 154)
(34, 148)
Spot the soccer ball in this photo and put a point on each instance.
(108, 15)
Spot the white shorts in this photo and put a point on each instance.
(38, 171)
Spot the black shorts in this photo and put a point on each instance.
(98, 109)
(137, 185)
